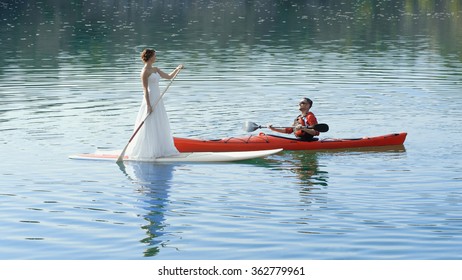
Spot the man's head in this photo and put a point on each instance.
(305, 103)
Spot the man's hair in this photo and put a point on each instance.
(309, 101)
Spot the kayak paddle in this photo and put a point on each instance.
(122, 154)
(251, 126)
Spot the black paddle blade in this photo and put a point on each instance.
(321, 127)
(250, 126)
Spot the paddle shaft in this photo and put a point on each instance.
(284, 127)
(122, 154)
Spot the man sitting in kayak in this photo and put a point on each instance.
(302, 122)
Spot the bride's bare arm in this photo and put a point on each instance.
(172, 74)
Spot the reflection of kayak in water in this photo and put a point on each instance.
(184, 157)
(267, 141)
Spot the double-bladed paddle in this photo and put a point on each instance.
(251, 126)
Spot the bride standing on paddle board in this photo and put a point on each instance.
(154, 139)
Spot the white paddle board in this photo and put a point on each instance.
(183, 157)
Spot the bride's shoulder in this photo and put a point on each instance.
(154, 70)
(148, 71)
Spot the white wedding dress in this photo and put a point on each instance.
(154, 139)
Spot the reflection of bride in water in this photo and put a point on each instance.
(153, 180)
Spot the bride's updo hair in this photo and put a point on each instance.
(146, 54)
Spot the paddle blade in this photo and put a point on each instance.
(120, 159)
(321, 127)
(250, 126)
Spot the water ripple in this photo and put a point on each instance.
(74, 87)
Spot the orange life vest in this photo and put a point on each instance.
(308, 120)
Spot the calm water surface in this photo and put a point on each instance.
(69, 84)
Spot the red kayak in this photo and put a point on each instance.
(268, 142)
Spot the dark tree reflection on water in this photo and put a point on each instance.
(103, 28)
